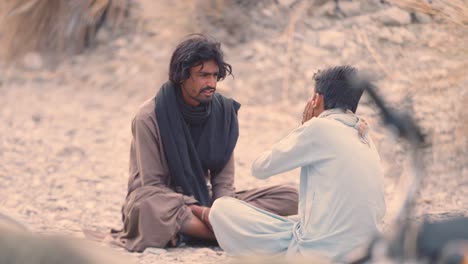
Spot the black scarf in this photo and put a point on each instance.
(218, 130)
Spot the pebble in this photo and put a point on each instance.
(155, 251)
(393, 16)
(33, 61)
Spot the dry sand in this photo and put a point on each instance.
(65, 132)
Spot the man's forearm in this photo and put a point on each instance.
(197, 228)
(200, 212)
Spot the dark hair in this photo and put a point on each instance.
(336, 86)
(193, 51)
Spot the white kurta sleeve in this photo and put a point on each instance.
(301, 147)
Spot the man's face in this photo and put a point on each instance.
(201, 85)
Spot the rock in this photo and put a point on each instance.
(396, 35)
(33, 61)
(121, 42)
(248, 54)
(286, 3)
(332, 39)
(421, 18)
(351, 8)
(103, 35)
(326, 9)
(155, 251)
(205, 251)
(267, 12)
(37, 118)
(393, 17)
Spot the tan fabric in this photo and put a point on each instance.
(153, 213)
(278, 199)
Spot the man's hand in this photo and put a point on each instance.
(308, 110)
(201, 213)
(196, 227)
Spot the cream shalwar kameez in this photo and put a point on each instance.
(341, 195)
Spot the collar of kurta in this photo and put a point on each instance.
(350, 119)
(190, 161)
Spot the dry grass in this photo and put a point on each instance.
(54, 27)
(455, 11)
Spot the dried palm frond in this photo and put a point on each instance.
(455, 11)
(55, 27)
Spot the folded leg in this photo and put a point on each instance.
(243, 229)
(278, 199)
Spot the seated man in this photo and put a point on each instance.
(183, 140)
(341, 195)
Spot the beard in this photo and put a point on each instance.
(202, 98)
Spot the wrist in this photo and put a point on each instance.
(203, 214)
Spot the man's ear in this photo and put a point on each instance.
(318, 100)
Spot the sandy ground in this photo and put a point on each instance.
(65, 132)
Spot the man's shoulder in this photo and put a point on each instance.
(227, 101)
(221, 97)
(146, 110)
(317, 123)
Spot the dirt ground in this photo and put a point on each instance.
(65, 131)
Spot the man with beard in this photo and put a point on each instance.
(183, 142)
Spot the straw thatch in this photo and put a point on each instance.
(55, 27)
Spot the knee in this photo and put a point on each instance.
(286, 199)
(288, 193)
(291, 200)
(220, 208)
(288, 189)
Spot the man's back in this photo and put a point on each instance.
(341, 196)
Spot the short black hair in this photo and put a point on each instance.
(336, 86)
(193, 51)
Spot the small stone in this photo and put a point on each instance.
(351, 8)
(90, 205)
(121, 42)
(332, 39)
(103, 35)
(206, 251)
(155, 251)
(267, 12)
(36, 118)
(33, 61)
(393, 17)
(387, 35)
(248, 54)
(286, 3)
(422, 18)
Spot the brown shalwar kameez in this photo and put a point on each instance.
(153, 213)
